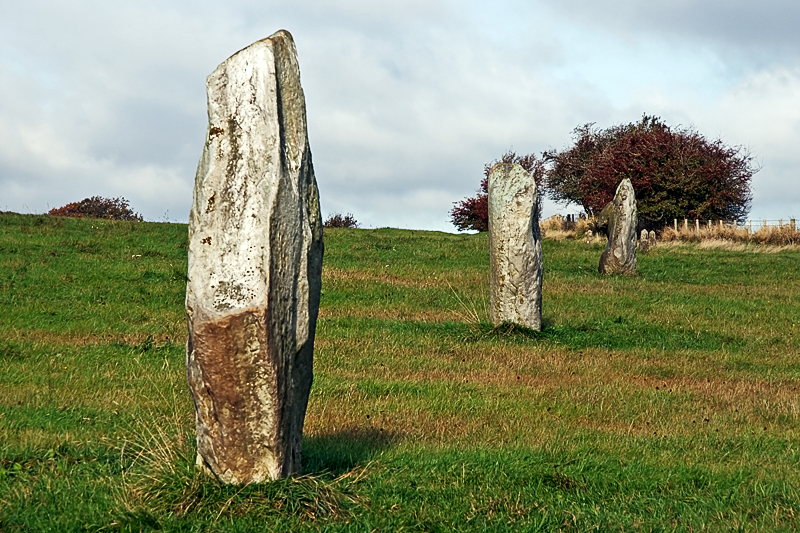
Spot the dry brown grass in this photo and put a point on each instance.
(562, 287)
(731, 246)
(38, 339)
(336, 275)
(559, 228)
(383, 313)
(769, 239)
(785, 237)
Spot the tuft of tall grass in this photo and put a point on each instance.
(162, 479)
(473, 311)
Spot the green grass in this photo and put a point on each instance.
(668, 401)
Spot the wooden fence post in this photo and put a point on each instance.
(676, 225)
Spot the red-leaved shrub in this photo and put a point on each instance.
(675, 172)
(98, 207)
(473, 213)
(337, 220)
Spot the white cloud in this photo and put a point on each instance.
(733, 27)
(406, 100)
(763, 113)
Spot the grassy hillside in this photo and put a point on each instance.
(665, 401)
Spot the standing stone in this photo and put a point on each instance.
(644, 241)
(652, 238)
(255, 265)
(515, 247)
(619, 256)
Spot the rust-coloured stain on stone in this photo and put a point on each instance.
(237, 375)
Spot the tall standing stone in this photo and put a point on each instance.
(255, 265)
(515, 247)
(619, 256)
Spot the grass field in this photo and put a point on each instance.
(665, 401)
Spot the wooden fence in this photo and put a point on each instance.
(751, 225)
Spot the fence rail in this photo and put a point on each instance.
(751, 225)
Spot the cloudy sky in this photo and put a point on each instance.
(406, 100)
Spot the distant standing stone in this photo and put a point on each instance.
(619, 256)
(652, 238)
(644, 241)
(515, 247)
(255, 264)
(589, 236)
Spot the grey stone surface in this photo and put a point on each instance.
(255, 265)
(619, 256)
(515, 247)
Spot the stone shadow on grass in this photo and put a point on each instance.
(613, 332)
(618, 333)
(340, 451)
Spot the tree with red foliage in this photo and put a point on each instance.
(676, 173)
(473, 213)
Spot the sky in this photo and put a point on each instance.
(406, 100)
